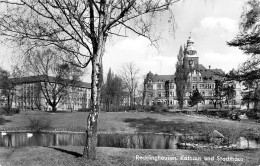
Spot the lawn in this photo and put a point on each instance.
(71, 155)
(131, 122)
(125, 122)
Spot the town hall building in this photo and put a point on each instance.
(162, 88)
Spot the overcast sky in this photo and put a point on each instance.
(211, 23)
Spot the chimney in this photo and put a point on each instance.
(209, 66)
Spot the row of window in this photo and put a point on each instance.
(194, 86)
(203, 86)
(171, 94)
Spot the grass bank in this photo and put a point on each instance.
(56, 156)
(132, 122)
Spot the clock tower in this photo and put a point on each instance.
(191, 54)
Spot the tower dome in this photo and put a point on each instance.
(190, 47)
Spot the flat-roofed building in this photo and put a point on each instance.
(28, 93)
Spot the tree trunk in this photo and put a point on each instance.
(54, 109)
(91, 133)
(89, 151)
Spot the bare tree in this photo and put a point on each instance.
(81, 28)
(129, 75)
(57, 75)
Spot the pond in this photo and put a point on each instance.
(139, 141)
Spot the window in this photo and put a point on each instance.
(159, 94)
(194, 86)
(158, 86)
(171, 86)
(201, 86)
(163, 94)
(170, 93)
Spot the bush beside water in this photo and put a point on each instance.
(39, 123)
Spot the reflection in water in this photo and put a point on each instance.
(137, 141)
(245, 143)
(41, 139)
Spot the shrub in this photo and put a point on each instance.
(155, 108)
(84, 109)
(2, 120)
(12, 111)
(252, 113)
(15, 110)
(39, 123)
(2, 112)
(114, 108)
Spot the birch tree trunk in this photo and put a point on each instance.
(89, 151)
(91, 133)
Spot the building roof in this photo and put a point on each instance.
(42, 78)
(207, 74)
(163, 77)
(212, 74)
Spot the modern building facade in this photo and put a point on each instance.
(162, 88)
(28, 95)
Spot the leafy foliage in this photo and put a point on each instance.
(181, 77)
(195, 98)
(247, 40)
(7, 90)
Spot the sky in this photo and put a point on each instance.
(211, 24)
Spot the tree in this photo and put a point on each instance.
(230, 93)
(250, 94)
(248, 41)
(148, 86)
(81, 28)
(195, 98)
(113, 93)
(7, 89)
(181, 77)
(59, 77)
(129, 75)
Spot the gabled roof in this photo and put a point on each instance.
(163, 78)
(43, 78)
(211, 74)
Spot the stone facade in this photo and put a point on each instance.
(162, 88)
